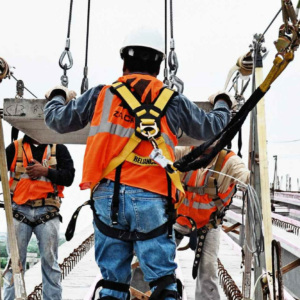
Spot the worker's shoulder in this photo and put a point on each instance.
(61, 148)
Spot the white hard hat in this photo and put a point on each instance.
(145, 37)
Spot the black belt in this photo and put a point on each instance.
(42, 220)
(129, 236)
(202, 232)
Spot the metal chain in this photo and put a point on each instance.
(64, 78)
(85, 81)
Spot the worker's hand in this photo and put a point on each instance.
(223, 95)
(36, 170)
(60, 90)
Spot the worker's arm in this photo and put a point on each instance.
(195, 122)
(65, 172)
(73, 116)
(237, 173)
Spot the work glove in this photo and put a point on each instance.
(60, 90)
(223, 95)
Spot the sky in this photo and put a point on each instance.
(209, 36)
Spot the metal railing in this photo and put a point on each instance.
(67, 265)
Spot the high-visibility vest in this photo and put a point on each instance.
(112, 128)
(23, 188)
(198, 202)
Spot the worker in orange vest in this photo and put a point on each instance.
(38, 174)
(208, 194)
(128, 163)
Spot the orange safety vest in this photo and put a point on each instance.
(198, 202)
(24, 189)
(111, 129)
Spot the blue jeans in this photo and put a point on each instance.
(141, 211)
(48, 237)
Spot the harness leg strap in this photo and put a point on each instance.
(161, 293)
(111, 285)
(115, 200)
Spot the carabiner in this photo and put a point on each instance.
(66, 52)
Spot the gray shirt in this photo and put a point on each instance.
(180, 113)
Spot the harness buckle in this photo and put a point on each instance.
(21, 221)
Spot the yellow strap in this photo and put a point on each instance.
(175, 177)
(127, 95)
(19, 169)
(53, 150)
(164, 98)
(219, 163)
(127, 150)
(20, 151)
(141, 160)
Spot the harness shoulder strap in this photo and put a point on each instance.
(126, 95)
(19, 168)
(52, 162)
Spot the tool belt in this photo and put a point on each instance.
(42, 219)
(52, 200)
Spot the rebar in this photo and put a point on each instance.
(287, 226)
(230, 288)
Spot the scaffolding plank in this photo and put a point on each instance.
(27, 116)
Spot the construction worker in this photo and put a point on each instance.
(38, 174)
(208, 195)
(133, 195)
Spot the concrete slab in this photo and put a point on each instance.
(27, 116)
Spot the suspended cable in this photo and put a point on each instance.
(64, 78)
(85, 81)
(166, 75)
(283, 142)
(24, 86)
(262, 36)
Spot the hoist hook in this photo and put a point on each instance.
(64, 78)
(67, 53)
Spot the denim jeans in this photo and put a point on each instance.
(47, 236)
(141, 211)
